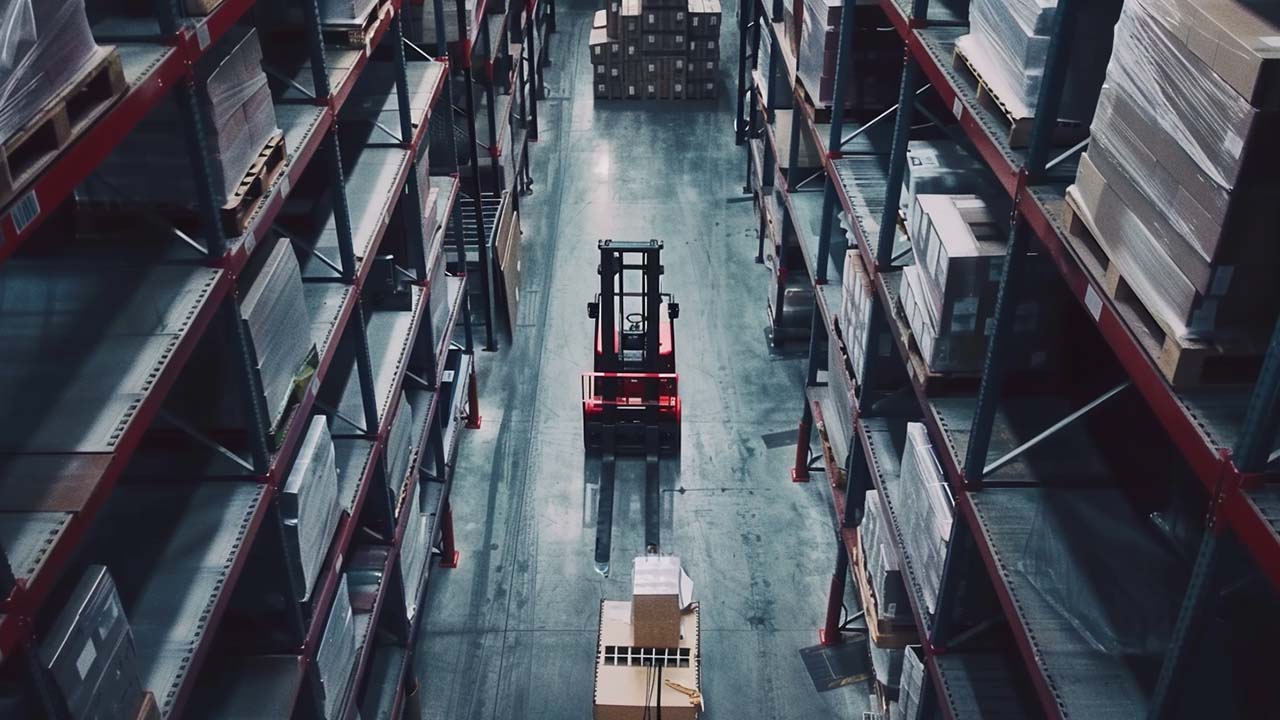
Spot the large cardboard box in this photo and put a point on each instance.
(623, 671)
(1239, 43)
(661, 591)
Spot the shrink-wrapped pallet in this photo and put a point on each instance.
(414, 549)
(1180, 184)
(400, 443)
(275, 314)
(44, 45)
(152, 165)
(309, 507)
(336, 657)
(927, 511)
(880, 557)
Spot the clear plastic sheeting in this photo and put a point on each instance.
(1008, 45)
(344, 11)
(400, 443)
(275, 312)
(911, 686)
(336, 657)
(236, 99)
(927, 510)
(414, 547)
(44, 45)
(1123, 603)
(309, 507)
(885, 574)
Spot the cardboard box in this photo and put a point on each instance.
(600, 20)
(623, 680)
(652, 42)
(661, 592)
(1242, 46)
(149, 710)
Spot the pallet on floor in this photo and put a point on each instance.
(1017, 117)
(236, 215)
(1184, 363)
(61, 121)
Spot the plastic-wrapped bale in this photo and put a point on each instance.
(414, 547)
(400, 444)
(151, 165)
(1180, 187)
(274, 311)
(421, 22)
(433, 234)
(943, 167)
(877, 60)
(950, 293)
(911, 683)
(1122, 603)
(881, 560)
(44, 46)
(887, 664)
(336, 657)
(1008, 46)
(438, 297)
(89, 652)
(309, 506)
(345, 12)
(854, 318)
(927, 510)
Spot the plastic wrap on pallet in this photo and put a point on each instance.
(309, 506)
(275, 312)
(1008, 44)
(911, 684)
(89, 652)
(927, 510)
(881, 560)
(877, 60)
(44, 44)
(236, 99)
(1123, 603)
(337, 654)
(420, 27)
(400, 443)
(414, 547)
(344, 12)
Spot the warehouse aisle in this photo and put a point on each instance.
(511, 633)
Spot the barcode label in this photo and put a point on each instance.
(447, 376)
(24, 211)
(202, 36)
(957, 108)
(1094, 302)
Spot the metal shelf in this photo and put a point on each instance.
(250, 688)
(151, 68)
(174, 551)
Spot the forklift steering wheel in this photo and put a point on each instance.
(635, 319)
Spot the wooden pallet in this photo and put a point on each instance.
(1184, 363)
(357, 34)
(61, 121)
(884, 632)
(1018, 119)
(917, 367)
(236, 215)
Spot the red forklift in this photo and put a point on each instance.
(631, 402)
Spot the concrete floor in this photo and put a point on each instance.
(511, 633)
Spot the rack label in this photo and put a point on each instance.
(1094, 302)
(447, 376)
(957, 107)
(25, 210)
(202, 36)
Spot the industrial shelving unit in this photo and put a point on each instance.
(99, 464)
(1000, 446)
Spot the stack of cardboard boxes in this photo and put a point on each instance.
(1180, 184)
(656, 49)
(874, 81)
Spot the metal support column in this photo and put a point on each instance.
(746, 14)
(844, 66)
(531, 50)
(830, 632)
(482, 237)
(448, 550)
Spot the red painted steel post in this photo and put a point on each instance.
(830, 632)
(448, 551)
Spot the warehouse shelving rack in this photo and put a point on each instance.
(366, 354)
(1225, 435)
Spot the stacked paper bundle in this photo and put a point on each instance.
(309, 506)
(927, 510)
(44, 46)
(275, 313)
(152, 166)
(413, 550)
(911, 687)
(400, 444)
(336, 657)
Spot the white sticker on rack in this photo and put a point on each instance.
(202, 36)
(446, 376)
(84, 663)
(284, 185)
(24, 211)
(957, 107)
(1093, 301)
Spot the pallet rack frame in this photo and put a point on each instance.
(159, 63)
(1230, 458)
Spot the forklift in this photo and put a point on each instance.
(631, 402)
